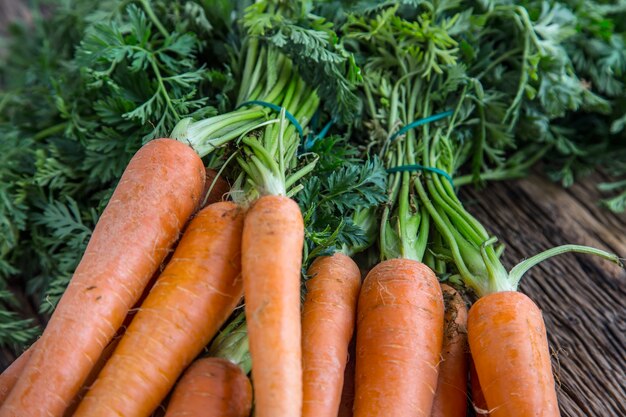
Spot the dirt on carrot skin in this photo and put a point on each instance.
(215, 188)
(451, 395)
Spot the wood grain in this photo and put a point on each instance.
(582, 297)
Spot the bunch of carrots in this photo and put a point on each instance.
(190, 283)
(129, 330)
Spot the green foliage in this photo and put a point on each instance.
(334, 199)
(538, 78)
(15, 331)
(313, 47)
(80, 92)
(163, 71)
(84, 88)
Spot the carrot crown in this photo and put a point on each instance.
(270, 77)
(269, 161)
(232, 344)
(467, 243)
(290, 57)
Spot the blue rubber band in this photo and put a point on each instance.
(315, 120)
(312, 139)
(421, 122)
(276, 108)
(326, 128)
(418, 167)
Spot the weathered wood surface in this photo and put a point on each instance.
(583, 298)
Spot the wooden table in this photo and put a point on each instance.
(582, 297)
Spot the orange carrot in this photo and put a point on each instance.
(157, 193)
(10, 375)
(507, 337)
(328, 317)
(273, 238)
(451, 395)
(347, 392)
(211, 387)
(399, 338)
(108, 351)
(478, 398)
(106, 355)
(192, 298)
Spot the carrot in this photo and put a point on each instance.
(194, 295)
(157, 193)
(110, 348)
(328, 318)
(273, 238)
(509, 345)
(451, 395)
(399, 338)
(215, 188)
(506, 332)
(478, 398)
(211, 387)
(102, 360)
(10, 375)
(347, 392)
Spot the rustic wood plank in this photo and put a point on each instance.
(582, 298)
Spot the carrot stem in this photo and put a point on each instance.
(232, 344)
(521, 268)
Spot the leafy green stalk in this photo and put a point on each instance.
(339, 201)
(276, 87)
(399, 57)
(232, 344)
(290, 60)
(270, 163)
(424, 59)
(471, 248)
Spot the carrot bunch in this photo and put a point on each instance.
(200, 286)
(506, 332)
(201, 283)
(169, 265)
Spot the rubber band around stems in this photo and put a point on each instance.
(421, 122)
(310, 140)
(418, 167)
(276, 108)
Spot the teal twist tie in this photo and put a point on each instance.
(421, 122)
(418, 167)
(276, 108)
(311, 139)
